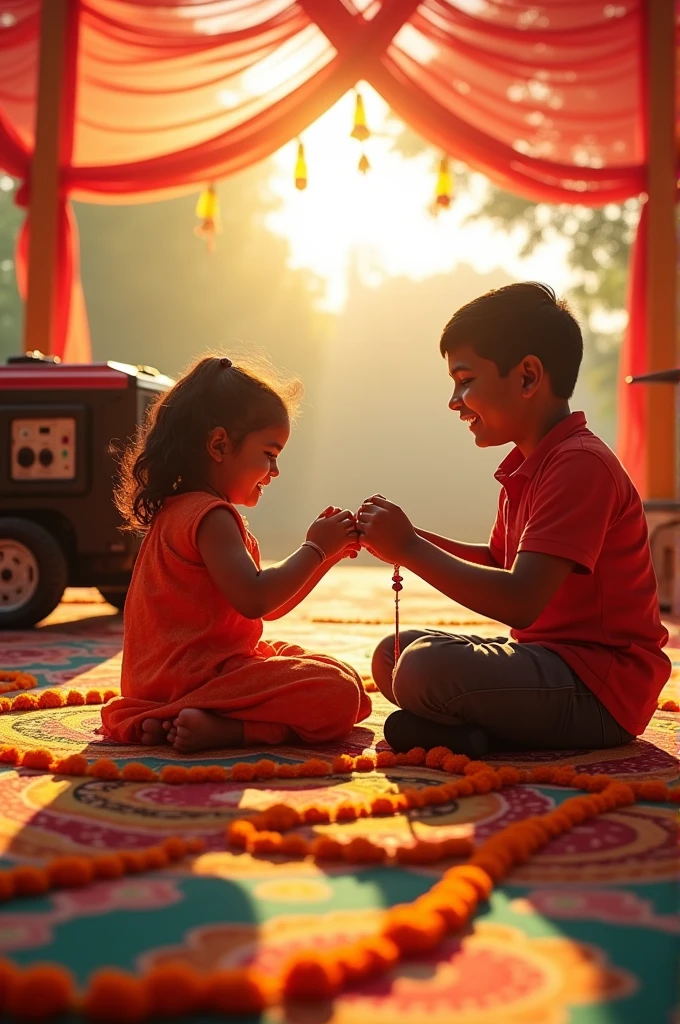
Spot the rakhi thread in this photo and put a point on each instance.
(396, 587)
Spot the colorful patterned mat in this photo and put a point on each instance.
(585, 932)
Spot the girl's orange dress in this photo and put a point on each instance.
(185, 646)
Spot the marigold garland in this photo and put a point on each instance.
(10, 680)
(46, 990)
(116, 996)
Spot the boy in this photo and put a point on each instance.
(567, 567)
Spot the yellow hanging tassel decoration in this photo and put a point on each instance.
(363, 163)
(208, 212)
(301, 169)
(444, 189)
(360, 130)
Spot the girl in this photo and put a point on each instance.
(196, 671)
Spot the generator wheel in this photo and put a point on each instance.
(114, 595)
(33, 573)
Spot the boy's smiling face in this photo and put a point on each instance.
(493, 406)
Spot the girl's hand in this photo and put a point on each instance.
(385, 529)
(334, 530)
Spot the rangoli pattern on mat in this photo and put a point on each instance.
(585, 932)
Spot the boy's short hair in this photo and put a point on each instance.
(507, 324)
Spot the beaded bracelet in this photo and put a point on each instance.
(315, 547)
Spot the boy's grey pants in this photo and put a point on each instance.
(523, 695)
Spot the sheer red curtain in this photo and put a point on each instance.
(543, 97)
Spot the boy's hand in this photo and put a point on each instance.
(385, 529)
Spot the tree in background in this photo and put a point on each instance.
(599, 247)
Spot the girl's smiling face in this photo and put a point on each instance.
(241, 473)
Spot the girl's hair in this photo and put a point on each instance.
(168, 454)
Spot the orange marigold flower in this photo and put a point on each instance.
(323, 848)
(433, 795)
(240, 990)
(133, 861)
(413, 798)
(472, 767)
(494, 866)
(265, 768)
(475, 876)
(314, 768)
(285, 771)
(365, 763)
(115, 996)
(7, 887)
(362, 851)
(413, 933)
(456, 847)
(175, 847)
(74, 698)
(564, 776)
(74, 764)
(382, 952)
(243, 771)
(174, 989)
(239, 833)
(38, 759)
(195, 844)
(311, 976)
(342, 764)
(216, 773)
(281, 818)
(70, 872)
(155, 858)
(541, 773)
(104, 768)
(9, 973)
(453, 912)
(197, 774)
(93, 697)
(294, 846)
(383, 805)
(9, 755)
(508, 775)
(669, 705)
(135, 771)
(454, 764)
(174, 774)
(264, 842)
(385, 759)
(25, 702)
(40, 991)
(346, 811)
(108, 865)
(654, 790)
(314, 815)
(50, 699)
(435, 757)
(29, 881)
(354, 963)
(419, 853)
(109, 695)
(464, 787)
(5, 706)
(414, 757)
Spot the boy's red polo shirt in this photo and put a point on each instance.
(572, 498)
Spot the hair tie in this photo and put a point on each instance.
(226, 363)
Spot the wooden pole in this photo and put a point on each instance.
(39, 317)
(661, 283)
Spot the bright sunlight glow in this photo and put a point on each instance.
(381, 224)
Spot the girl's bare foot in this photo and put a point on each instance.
(155, 732)
(196, 730)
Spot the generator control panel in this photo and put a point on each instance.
(43, 448)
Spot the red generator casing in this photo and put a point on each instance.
(58, 524)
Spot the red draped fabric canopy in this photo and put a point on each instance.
(546, 98)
